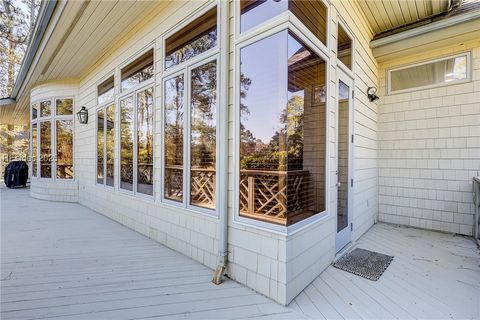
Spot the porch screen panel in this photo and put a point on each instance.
(203, 110)
(34, 150)
(100, 145)
(110, 145)
(126, 143)
(173, 137)
(46, 149)
(64, 149)
(145, 141)
(282, 130)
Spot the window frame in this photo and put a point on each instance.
(284, 17)
(122, 95)
(285, 21)
(104, 106)
(184, 68)
(467, 54)
(53, 118)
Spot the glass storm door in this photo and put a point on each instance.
(343, 152)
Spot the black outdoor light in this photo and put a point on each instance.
(372, 94)
(83, 115)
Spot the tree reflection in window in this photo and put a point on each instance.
(138, 71)
(65, 149)
(46, 149)
(110, 145)
(282, 130)
(173, 137)
(197, 37)
(34, 150)
(203, 135)
(100, 145)
(126, 143)
(145, 141)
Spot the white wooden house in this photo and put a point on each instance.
(260, 138)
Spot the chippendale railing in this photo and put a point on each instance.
(264, 194)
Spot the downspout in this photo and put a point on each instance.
(223, 148)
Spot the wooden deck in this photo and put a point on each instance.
(98, 269)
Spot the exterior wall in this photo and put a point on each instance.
(49, 188)
(274, 264)
(430, 149)
(310, 251)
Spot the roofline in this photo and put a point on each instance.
(431, 27)
(45, 13)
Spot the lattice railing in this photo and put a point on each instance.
(270, 195)
(202, 189)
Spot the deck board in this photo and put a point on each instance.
(102, 270)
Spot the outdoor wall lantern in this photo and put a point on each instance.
(83, 115)
(372, 94)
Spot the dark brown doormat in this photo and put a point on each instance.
(364, 263)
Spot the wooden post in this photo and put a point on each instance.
(251, 195)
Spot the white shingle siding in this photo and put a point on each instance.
(429, 150)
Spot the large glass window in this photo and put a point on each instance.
(64, 149)
(34, 150)
(173, 137)
(203, 110)
(430, 74)
(344, 47)
(140, 70)
(52, 130)
(145, 141)
(46, 149)
(100, 145)
(313, 14)
(64, 107)
(105, 91)
(282, 130)
(197, 37)
(45, 108)
(126, 143)
(106, 145)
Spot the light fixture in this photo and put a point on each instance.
(372, 94)
(83, 115)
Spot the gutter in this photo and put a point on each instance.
(223, 163)
(44, 14)
(431, 27)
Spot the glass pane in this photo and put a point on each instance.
(65, 149)
(282, 130)
(254, 12)
(46, 149)
(174, 103)
(343, 143)
(110, 156)
(433, 73)
(197, 37)
(34, 150)
(34, 110)
(45, 109)
(145, 141)
(64, 106)
(105, 91)
(203, 135)
(138, 71)
(313, 14)
(344, 47)
(126, 143)
(100, 145)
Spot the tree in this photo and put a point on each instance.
(17, 22)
